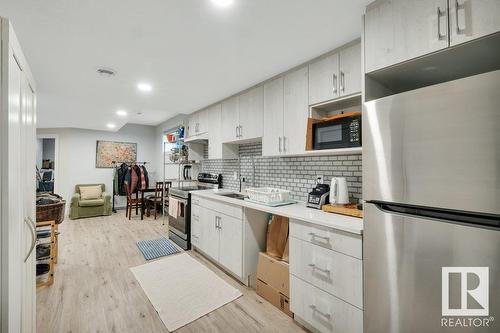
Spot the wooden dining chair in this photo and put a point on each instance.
(161, 190)
(131, 202)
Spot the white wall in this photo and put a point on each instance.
(77, 155)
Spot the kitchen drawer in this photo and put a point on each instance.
(221, 207)
(324, 312)
(333, 272)
(195, 200)
(329, 238)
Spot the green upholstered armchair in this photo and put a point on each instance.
(91, 207)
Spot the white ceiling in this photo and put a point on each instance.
(192, 52)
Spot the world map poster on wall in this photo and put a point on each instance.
(109, 151)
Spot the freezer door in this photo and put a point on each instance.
(437, 146)
(404, 258)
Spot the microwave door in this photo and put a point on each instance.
(328, 136)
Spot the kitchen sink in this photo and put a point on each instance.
(233, 195)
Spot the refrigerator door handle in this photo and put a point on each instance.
(445, 215)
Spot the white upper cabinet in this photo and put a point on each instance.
(216, 149)
(203, 121)
(197, 123)
(230, 119)
(272, 140)
(251, 113)
(215, 134)
(399, 30)
(335, 75)
(324, 79)
(350, 70)
(296, 111)
(470, 19)
(192, 124)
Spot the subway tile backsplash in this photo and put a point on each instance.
(297, 174)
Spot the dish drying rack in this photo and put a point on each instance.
(269, 196)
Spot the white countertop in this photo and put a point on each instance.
(297, 211)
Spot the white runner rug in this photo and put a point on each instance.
(182, 289)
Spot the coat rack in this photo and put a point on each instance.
(115, 165)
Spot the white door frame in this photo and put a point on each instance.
(56, 157)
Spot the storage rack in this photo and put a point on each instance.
(52, 258)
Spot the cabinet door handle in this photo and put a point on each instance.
(335, 84)
(315, 309)
(458, 7)
(279, 144)
(324, 270)
(313, 235)
(342, 82)
(220, 222)
(236, 131)
(29, 221)
(284, 144)
(241, 131)
(439, 15)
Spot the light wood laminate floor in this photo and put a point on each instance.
(94, 290)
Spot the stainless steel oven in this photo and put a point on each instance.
(180, 223)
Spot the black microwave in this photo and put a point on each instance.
(342, 131)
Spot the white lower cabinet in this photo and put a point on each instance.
(322, 311)
(333, 272)
(326, 278)
(229, 235)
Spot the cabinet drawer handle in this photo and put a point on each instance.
(313, 235)
(458, 7)
(439, 15)
(324, 270)
(315, 309)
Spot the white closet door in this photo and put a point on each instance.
(28, 186)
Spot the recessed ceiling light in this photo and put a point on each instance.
(223, 3)
(144, 87)
(139, 113)
(121, 113)
(110, 125)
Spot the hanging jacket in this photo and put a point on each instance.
(144, 178)
(121, 173)
(135, 179)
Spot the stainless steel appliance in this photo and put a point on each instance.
(180, 225)
(340, 131)
(319, 196)
(431, 177)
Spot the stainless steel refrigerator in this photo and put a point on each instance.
(431, 179)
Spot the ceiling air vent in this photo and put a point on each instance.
(106, 72)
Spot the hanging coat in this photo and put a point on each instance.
(132, 178)
(144, 178)
(121, 173)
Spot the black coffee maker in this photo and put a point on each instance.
(319, 196)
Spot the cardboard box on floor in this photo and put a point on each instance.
(274, 297)
(273, 282)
